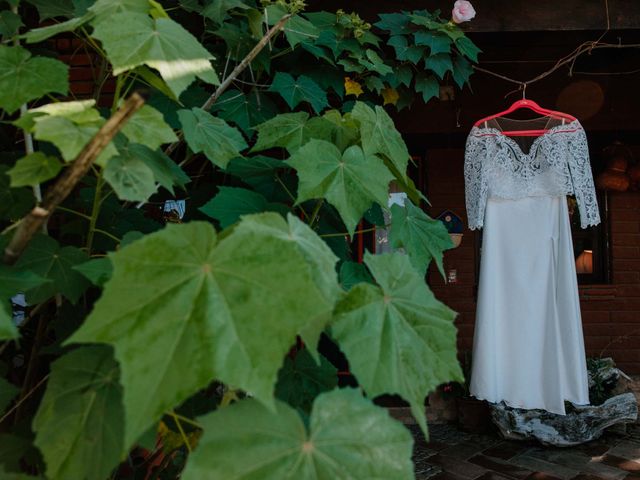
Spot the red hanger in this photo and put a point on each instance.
(531, 105)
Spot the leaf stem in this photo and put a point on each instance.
(186, 420)
(95, 211)
(107, 234)
(75, 212)
(316, 210)
(328, 235)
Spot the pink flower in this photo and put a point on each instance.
(462, 11)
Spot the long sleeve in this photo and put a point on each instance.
(476, 187)
(582, 179)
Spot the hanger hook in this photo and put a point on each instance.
(524, 90)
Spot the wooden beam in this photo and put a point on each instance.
(510, 15)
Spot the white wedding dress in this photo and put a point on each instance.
(528, 346)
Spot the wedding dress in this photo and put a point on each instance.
(528, 346)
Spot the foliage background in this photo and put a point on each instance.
(154, 344)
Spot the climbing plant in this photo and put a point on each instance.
(189, 339)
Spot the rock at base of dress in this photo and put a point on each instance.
(585, 423)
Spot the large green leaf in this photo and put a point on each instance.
(218, 10)
(97, 270)
(165, 171)
(301, 379)
(231, 203)
(69, 126)
(258, 171)
(48, 9)
(468, 48)
(130, 178)
(80, 422)
(436, 41)
(302, 89)
(148, 127)
(8, 392)
(134, 39)
(422, 237)
(428, 86)
(205, 133)
(7, 328)
(10, 23)
(379, 135)
(298, 29)
(14, 202)
(245, 110)
(439, 63)
(291, 131)
(397, 337)
(351, 181)
(348, 438)
(405, 51)
(46, 258)
(34, 169)
(202, 301)
(24, 78)
(462, 70)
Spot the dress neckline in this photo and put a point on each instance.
(571, 127)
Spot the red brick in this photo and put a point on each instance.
(628, 290)
(626, 265)
(595, 317)
(626, 277)
(627, 200)
(626, 239)
(625, 215)
(76, 59)
(596, 342)
(595, 330)
(630, 253)
(80, 73)
(624, 342)
(82, 88)
(625, 227)
(624, 355)
(625, 317)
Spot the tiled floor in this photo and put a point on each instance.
(452, 454)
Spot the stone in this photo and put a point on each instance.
(583, 424)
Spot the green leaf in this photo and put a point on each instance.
(346, 131)
(10, 23)
(14, 280)
(202, 299)
(134, 39)
(348, 437)
(468, 48)
(24, 78)
(165, 171)
(396, 23)
(211, 135)
(8, 330)
(301, 379)
(440, 64)
(255, 171)
(148, 127)
(41, 34)
(130, 178)
(304, 89)
(298, 30)
(80, 422)
(379, 136)
(422, 237)
(97, 270)
(69, 126)
(404, 51)
(14, 202)
(437, 42)
(397, 337)
(46, 258)
(352, 273)
(231, 203)
(48, 9)
(376, 63)
(428, 86)
(8, 392)
(245, 111)
(103, 9)
(219, 10)
(291, 131)
(351, 181)
(34, 169)
(462, 70)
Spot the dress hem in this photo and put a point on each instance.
(521, 407)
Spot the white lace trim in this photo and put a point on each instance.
(557, 164)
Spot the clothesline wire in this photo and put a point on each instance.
(571, 58)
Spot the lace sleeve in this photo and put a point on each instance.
(475, 181)
(582, 179)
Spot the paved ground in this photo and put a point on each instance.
(451, 455)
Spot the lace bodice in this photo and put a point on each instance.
(556, 164)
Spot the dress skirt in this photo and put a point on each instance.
(528, 346)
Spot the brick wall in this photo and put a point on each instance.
(610, 313)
